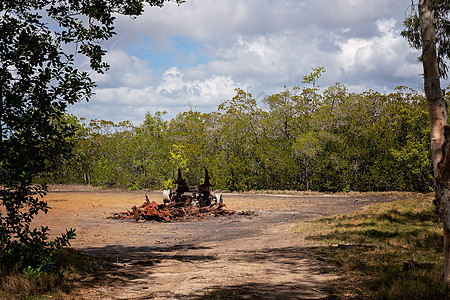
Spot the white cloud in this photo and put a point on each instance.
(381, 57)
(257, 44)
(173, 93)
(178, 90)
(125, 70)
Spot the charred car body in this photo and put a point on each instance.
(185, 195)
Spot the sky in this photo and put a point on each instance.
(195, 55)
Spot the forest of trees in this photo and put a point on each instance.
(303, 138)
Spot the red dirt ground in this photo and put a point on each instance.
(242, 257)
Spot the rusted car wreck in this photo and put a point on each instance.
(187, 196)
(185, 203)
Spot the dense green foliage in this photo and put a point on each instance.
(37, 82)
(441, 16)
(299, 139)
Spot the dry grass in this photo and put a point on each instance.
(387, 251)
(24, 286)
(41, 285)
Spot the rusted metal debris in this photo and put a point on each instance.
(151, 211)
(185, 203)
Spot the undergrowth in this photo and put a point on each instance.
(35, 284)
(387, 251)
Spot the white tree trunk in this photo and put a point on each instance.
(440, 131)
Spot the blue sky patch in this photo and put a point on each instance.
(184, 52)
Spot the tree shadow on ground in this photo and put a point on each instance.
(392, 216)
(287, 256)
(124, 266)
(258, 290)
(378, 227)
(117, 265)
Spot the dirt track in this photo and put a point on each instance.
(243, 257)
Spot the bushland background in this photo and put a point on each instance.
(303, 138)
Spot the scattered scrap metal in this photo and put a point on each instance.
(185, 203)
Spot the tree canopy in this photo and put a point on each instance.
(38, 79)
(303, 138)
(412, 31)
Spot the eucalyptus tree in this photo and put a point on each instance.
(150, 150)
(191, 145)
(428, 29)
(243, 142)
(38, 79)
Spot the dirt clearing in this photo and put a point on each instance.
(235, 257)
